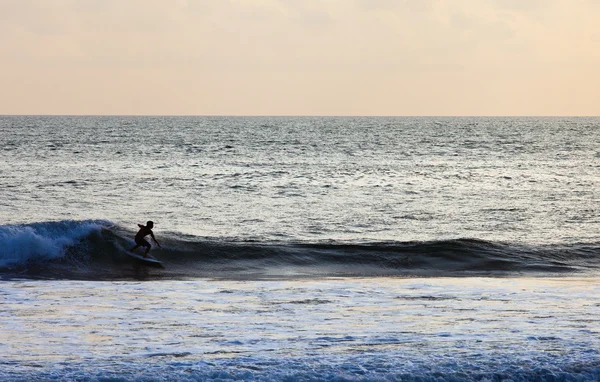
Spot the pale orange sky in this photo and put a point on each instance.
(300, 57)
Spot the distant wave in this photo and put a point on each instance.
(95, 250)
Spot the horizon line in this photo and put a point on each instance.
(300, 116)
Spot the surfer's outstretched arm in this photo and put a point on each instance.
(156, 241)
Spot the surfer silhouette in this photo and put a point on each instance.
(144, 231)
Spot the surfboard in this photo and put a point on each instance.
(149, 259)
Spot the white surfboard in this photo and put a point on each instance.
(149, 259)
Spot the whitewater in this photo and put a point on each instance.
(300, 248)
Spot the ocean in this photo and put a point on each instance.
(300, 248)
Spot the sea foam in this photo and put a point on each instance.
(43, 240)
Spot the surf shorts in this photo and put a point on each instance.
(142, 242)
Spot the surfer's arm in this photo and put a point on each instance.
(156, 241)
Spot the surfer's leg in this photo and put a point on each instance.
(140, 242)
(148, 246)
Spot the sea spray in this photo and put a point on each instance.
(42, 241)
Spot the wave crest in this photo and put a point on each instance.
(42, 241)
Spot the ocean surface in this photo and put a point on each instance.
(300, 249)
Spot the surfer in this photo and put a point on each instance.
(144, 231)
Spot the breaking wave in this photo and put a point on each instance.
(96, 250)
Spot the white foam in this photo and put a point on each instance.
(46, 240)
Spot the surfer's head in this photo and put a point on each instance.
(149, 224)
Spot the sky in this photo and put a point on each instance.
(300, 57)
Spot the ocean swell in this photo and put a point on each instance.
(95, 249)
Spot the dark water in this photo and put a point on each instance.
(53, 250)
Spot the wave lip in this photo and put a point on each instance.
(95, 250)
(22, 243)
